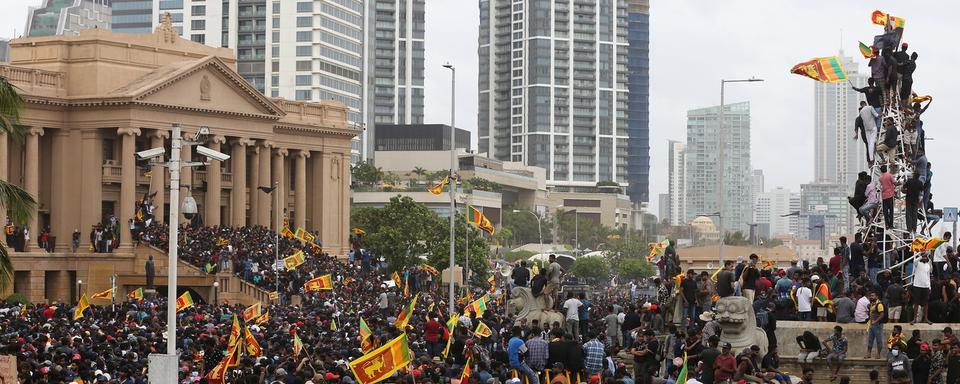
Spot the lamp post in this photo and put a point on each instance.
(539, 231)
(453, 182)
(721, 160)
(79, 287)
(216, 289)
(576, 226)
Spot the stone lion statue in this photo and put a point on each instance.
(739, 324)
(525, 306)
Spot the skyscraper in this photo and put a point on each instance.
(553, 87)
(702, 164)
(638, 100)
(837, 158)
(67, 17)
(677, 185)
(770, 208)
(132, 16)
(365, 54)
(829, 201)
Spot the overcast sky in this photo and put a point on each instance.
(695, 43)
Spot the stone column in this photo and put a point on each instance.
(279, 179)
(211, 206)
(31, 180)
(128, 182)
(158, 177)
(317, 191)
(265, 201)
(253, 197)
(186, 175)
(238, 195)
(334, 213)
(91, 183)
(65, 171)
(300, 188)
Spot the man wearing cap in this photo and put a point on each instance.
(898, 366)
(644, 353)
(921, 365)
(725, 365)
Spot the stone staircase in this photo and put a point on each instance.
(857, 369)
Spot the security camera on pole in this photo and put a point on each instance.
(163, 367)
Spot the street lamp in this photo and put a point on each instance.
(721, 161)
(539, 232)
(79, 286)
(719, 217)
(216, 288)
(453, 182)
(576, 226)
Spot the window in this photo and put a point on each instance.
(202, 39)
(171, 4)
(276, 7)
(303, 94)
(198, 10)
(275, 51)
(276, 22)
(304, 21)
(275, 36)
(304, 36)
(305, 7)
(304, 51)
(304, 79)
(304, 65)
(198, 25)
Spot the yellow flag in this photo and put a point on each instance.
(82, 305)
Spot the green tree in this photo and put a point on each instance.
(366, 173)
(439, 247)
(20, 205)
(397, 231)
(591, 268)
(736, 238)
(523, 225)
(518, 254)
(504, 236)
(633, 269)
(420, 172)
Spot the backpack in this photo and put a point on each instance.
(537, 285)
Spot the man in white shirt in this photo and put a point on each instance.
(940, 256)
(921, 287)
(572, 306)
(804, 295)
(862, 313)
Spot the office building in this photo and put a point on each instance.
(677, 184)
(703, 164)
(4, 50)
(829, 201)
(663, 211)
(638, 100)
(365, 54)
(553, 88)
(132, 16)
(794, 218)
(419, 137)
(67, 17)
(770, 211)
(837, 158)
(756, 181)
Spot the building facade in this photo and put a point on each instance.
(677, 182)
(638, 100)
(132, 16)
(703, 164)
(770, 210)
(67, 17)
(825, 203)
(419, 137)
(837, 158)
(94, 100)
(553, 87)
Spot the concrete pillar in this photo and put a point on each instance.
(91, 191)
(263, 209)
(334, 218)
(279, 179)
(211, 206)
(64, 179)
(31, 181)
(253, 195)
(238, 195)
(300, 188)
(316, 190)
(158, 177)
(186, 175)
(128, 182)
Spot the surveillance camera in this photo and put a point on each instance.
(201, 135)
(211, 154)
(151, 153)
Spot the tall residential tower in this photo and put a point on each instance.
(67, 17)
(638, 100)
(553, 87)
(677, 179)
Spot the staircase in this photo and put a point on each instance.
(857, 369)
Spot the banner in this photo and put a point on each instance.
(380, 364)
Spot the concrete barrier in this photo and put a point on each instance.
(787, 332)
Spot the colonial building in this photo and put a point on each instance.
(96, 99)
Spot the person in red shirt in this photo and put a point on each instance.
(432, 334)
(763, 283)
(725, 366)
(836, 262)
(887, 191)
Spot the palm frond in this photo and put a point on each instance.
(19, 203)
(11, 104)
(6, 269)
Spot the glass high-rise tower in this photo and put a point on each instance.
(553, 87)
(638, 100)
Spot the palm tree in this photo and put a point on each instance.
(420, 172)
(20, 205)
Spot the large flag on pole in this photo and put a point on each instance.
(184, 301)
(380, 364)
(82, 305)
(365, 333)
(438, 189)
(251, 344)
(406, 314)
(294, 261)
(878, 17)
(252, 312)
(823, 69)
(234, 333)
(475, 217)
(106, 295)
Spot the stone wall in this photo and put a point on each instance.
(787, 332)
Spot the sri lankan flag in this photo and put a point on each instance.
(365, 335)
(82, 305)
(479, 306)
(234, 333)
(920, 244)
(184, 301)
(219, 372)
(333, 324)
(297, 345)
(252, 312)
(305, 235)
(106, 295)
(136, 294)
(293, 261)
(286, 232)
(823, 295)
(880, 18)
(382, 362)
(320, 283)
(263, 318)
(396, 279)
(867, 51)
(475, 217)
(493, 283)
(465, 376)
(822, 69)
(677, 280)
(222, 242)
(682, 376)
(438, 189)
(451, 324)
(432, 270)
(251, 344)
(406, 314)
(482, 330)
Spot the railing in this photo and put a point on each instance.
(324, 112)
(31, 76)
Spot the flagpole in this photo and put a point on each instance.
(276, 236)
